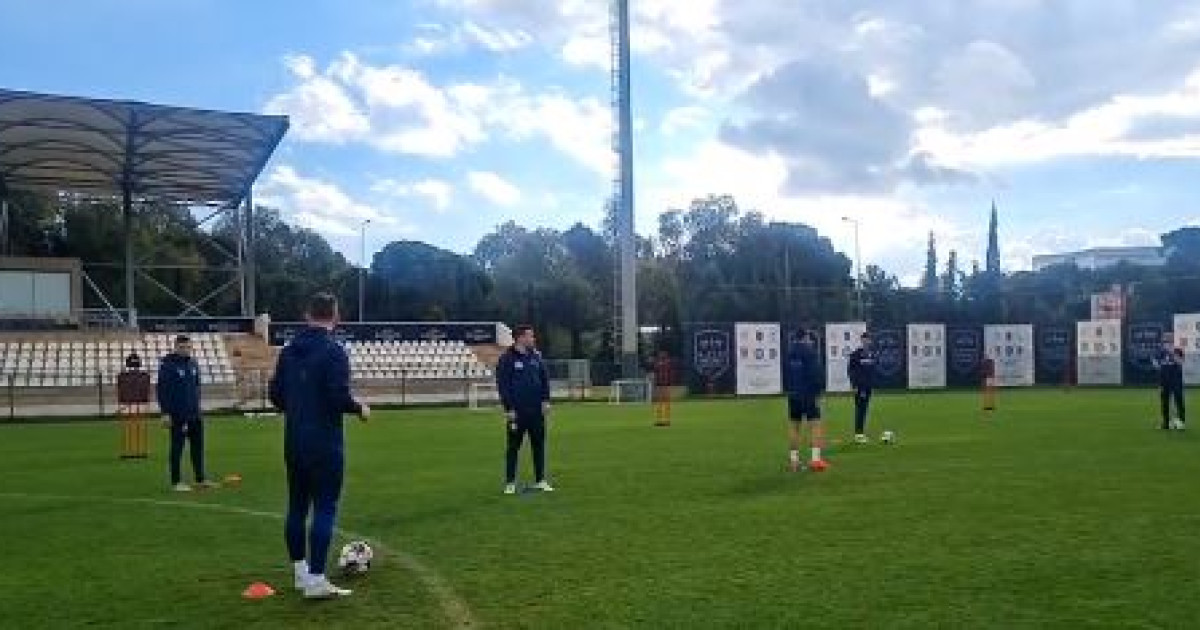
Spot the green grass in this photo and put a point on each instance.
(1067, 510)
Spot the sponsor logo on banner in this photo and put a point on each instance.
(840, 341)
(890, 344)
(1144, 341)
(758, 366)
(711, 353)
(926, 356)
(1187, 337)
(1054, 349)
(966, 347)
(1010, 347)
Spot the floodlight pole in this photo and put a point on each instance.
(362, 272)
(130, 265)
(626, 236)
(249, 266)
(858, 278)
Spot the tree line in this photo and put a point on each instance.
(709, 262)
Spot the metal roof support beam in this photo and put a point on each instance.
(130, 266)
(249, 268)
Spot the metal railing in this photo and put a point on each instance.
(92, 393)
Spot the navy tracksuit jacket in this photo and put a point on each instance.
(861, 370)
(179, 398)
(312, 387)
(524, 386)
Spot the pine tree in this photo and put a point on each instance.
(993, 248)
(952, 281)
(930, 283)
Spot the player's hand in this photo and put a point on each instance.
(546, 408)
(512, 426)
(364, 412)
(511, 415)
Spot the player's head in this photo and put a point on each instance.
(322, 310)
(866, 339)
(805, 337)
(523, 336)
(183, 346)
(1178, 353)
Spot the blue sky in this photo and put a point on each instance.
(439, 119)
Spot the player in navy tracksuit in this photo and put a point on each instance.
(1170, 376)
(524, 388)
(311, 386)
(861, 370)
(179, 400)
(804, 380)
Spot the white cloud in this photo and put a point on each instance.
(320, 205)
(321, 110)
(398, 109)
(1103, 130)
(438, 192)
(685, 118)
(494, 188)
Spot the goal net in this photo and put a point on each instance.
(630, 391)
(483, 396)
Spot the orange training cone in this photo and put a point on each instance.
(258, 590)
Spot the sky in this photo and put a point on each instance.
(437, 120)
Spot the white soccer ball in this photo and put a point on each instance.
(355, 558)
(887, 437)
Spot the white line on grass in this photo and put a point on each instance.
(453, 607)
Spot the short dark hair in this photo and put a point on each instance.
(182, 339)
(520, 330)
(322, 307)
(866, 335)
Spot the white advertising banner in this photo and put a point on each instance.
(1187, 336)
(758, 360)
(840, 341)
(1098, 352)
(926, 356)
(1010, 347)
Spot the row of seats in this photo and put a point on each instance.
(80, 363)
(383, 360)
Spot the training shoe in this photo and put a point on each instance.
(818, 465)
(510, 488)
(544, 486)
(319, 587)
(861, 439)
(302, 581)
(181, 487)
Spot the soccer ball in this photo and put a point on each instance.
(355, 558)
(887, 437)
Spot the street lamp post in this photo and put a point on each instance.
(858, 279)
(362, 272)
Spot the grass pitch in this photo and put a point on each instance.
(1066, 510)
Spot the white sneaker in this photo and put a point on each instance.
(319, 587)
(510, 488)
(544, 486)
(302, 581)
(861, 439)
(181, 487)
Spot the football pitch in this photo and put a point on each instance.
(1067, 509)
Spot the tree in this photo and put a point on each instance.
(930, 281)
(993, 248)
(952, 281)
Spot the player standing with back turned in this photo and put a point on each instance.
(804, 380)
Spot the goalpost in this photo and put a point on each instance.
(483, 396)
(631, 391)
